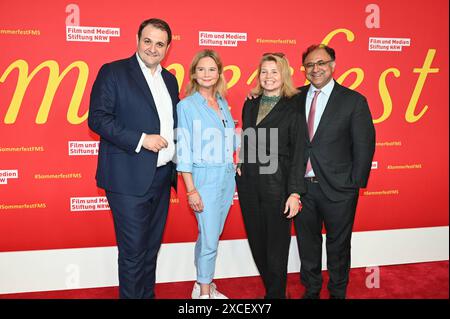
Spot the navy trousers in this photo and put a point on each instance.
(139, 224)
(338, 219)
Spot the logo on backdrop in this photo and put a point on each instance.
(373, 21)
(77, 33)
(84, 204)
(220, 39)
(388, 44)
(6, 174)
(77, 148)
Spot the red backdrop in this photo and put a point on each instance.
(43, 108)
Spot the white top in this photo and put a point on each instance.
(163, 103)
(322, 100)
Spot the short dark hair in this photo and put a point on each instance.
(158, 24)
(314, 47)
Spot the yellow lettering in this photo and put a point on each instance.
(54, 80)
(426, 68)
(384, 94)
(179, 73)
(359, 77)
(236, 75)
(302, 69)
(252, 77)
(74, 106)
(348, 34)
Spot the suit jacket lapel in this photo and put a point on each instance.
(303, 95)
(254, 111)
(173, 92)
(329, 112)
(139, 78)
(273, 112)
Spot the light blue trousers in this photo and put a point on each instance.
(216, 185)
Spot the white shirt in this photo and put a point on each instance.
(322, 100)
(163, 103)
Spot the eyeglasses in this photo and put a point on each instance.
(320, 64)
(278, 54)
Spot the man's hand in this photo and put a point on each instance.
(154, 142)
(251, 96)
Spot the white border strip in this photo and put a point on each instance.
(60, 269)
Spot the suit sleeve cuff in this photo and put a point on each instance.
(141, 141)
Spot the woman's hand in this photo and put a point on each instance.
(238, 165)
(292, 206)
(195, 202)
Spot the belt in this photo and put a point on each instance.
(312, 179)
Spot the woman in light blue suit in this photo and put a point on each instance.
(205, 145)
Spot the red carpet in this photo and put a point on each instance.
(412, 281)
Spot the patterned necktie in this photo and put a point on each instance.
(312, 113)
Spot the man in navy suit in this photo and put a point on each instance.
(340, 144)
(133, 109)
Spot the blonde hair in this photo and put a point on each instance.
(221, 85)
(287, 87)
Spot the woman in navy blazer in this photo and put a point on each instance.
(271, 169)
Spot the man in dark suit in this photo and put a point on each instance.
(340, 143)
(133, 109)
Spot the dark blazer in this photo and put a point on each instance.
(343, 145)
(121, 109)
(287, 147)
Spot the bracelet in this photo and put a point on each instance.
(295, 195)
(191, 192)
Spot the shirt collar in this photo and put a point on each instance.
(144, 68)
(201, 98)
(326, 89)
